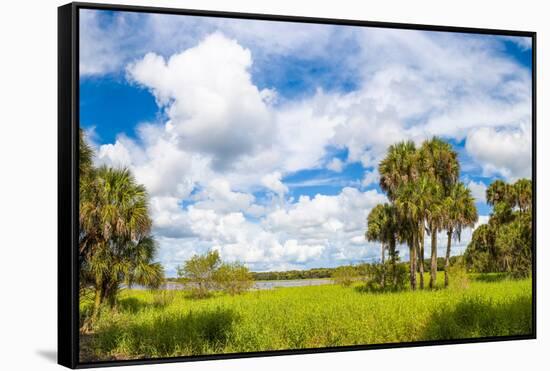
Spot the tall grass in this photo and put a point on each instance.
(307, 317)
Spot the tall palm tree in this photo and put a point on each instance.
(424, 193)
(460, 212)
(408, 216)
(438, 160)
(115, 244)
(398, 168)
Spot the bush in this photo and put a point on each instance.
(199, 272)
(233, 278)
(344, 275)
(383, 277)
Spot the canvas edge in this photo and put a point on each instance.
(67, 207)
(68, 85)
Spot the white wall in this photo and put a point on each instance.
(28, 182)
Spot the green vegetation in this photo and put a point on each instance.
(505, 243)
(293, 274)
(200, 271)
(115, 245)
(306, 317)
(205, 273)
(370, 304)
(315, 273)
(344, 275)
(233, 278)
(425, 197)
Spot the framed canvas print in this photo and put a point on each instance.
(237, 185)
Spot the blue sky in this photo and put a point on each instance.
(261, 139)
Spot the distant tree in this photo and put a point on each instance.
(344, 275)
(200, 272)
(233, 278)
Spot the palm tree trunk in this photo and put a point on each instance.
(421, 254)
(393, 262)
(433, 270)
(448, 256)
(98, 299)
(412, 262)
(383, 275)
(109, 294)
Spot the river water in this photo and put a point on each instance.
(258, 285)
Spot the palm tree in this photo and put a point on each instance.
(424, 193)
(382, 227)
(85, 154)
(408, 217)
(115, 244)
(439, 161)
(398, 167)
(460, 212)
(396, 170)
(523, 192)
(112, 205)
(498, 191)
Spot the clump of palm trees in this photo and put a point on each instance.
(426, 197)
(115, 242)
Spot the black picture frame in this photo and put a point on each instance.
(68, 175)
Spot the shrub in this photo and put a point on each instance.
(233, 278)
(199, 272)
(384, 277)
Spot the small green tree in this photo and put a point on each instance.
(233, 278)
(200, 273)
(344, 275)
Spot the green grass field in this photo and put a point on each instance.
(146, 324)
